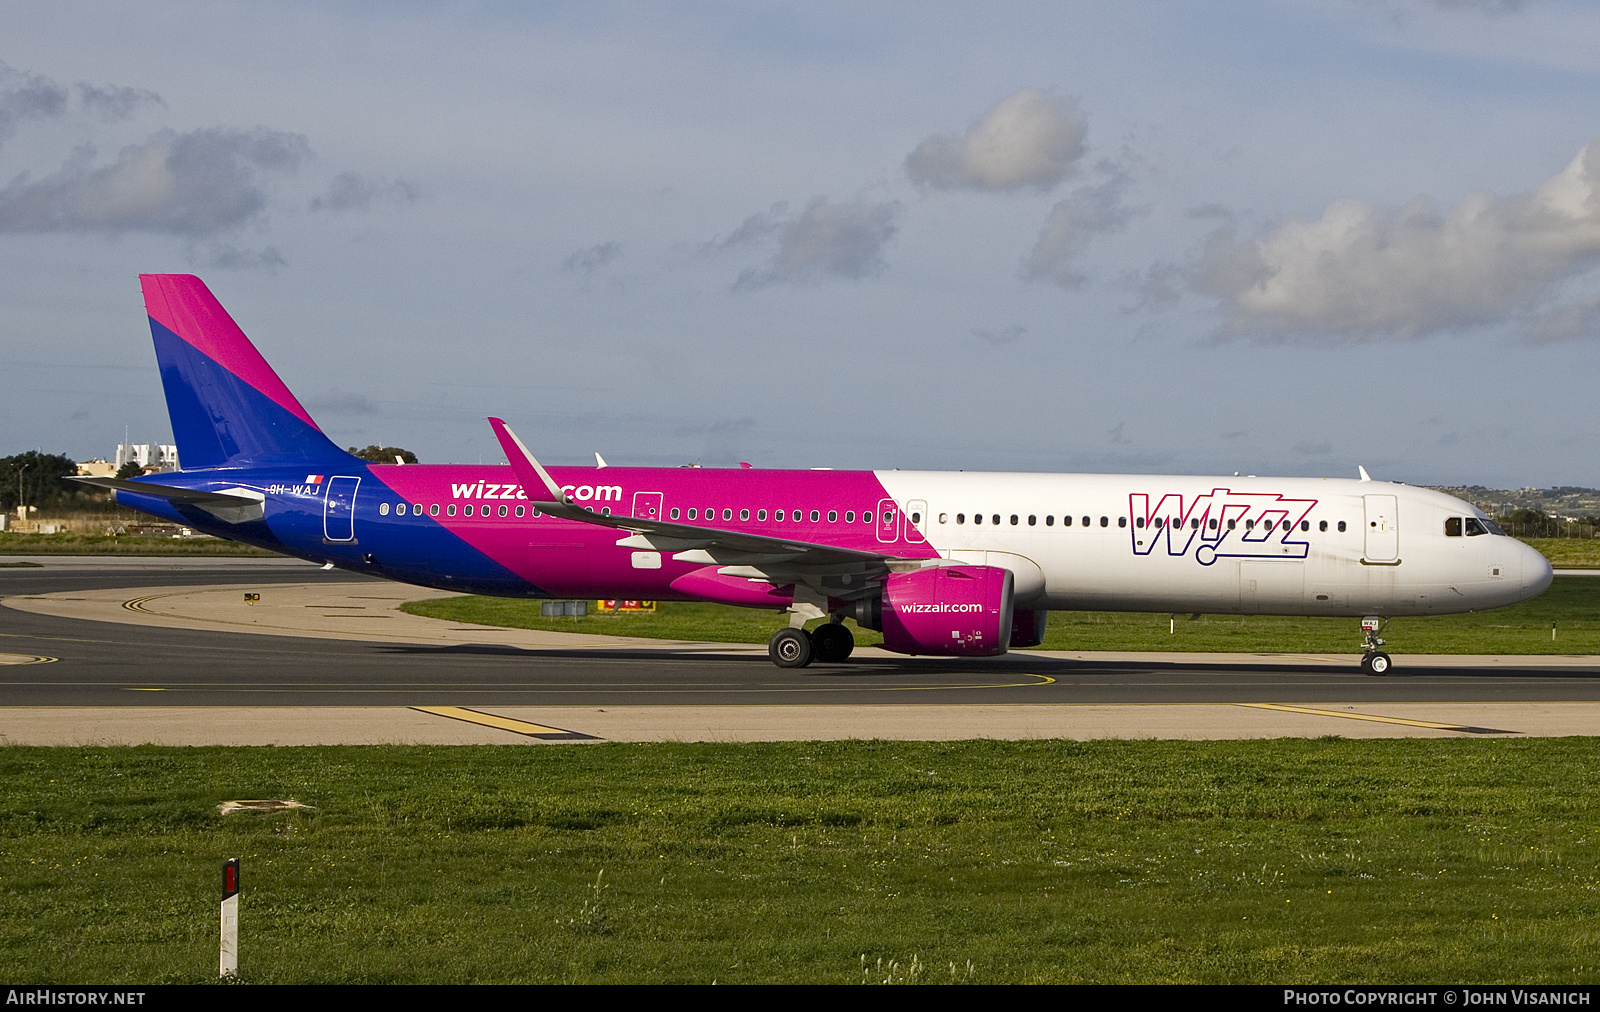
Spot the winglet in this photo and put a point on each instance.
(1363, 471)
(522, 462)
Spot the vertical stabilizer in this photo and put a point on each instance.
(228, 408)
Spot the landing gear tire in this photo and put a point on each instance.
(791, 648)
(832, 643)
(1375, 663)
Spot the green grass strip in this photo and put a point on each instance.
(108, 544)
(1246, 861)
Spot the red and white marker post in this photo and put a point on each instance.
(230, 918)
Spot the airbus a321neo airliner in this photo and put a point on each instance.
(961, 564)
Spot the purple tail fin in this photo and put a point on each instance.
(228, 408)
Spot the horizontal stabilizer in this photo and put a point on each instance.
(234, 506)
(172, 493)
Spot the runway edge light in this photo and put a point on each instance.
(230, 919)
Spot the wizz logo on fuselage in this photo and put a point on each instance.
(1221, 524)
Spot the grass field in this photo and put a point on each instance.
(1572, 603)
(105, 544)
(1569, 553)
(1261, 861)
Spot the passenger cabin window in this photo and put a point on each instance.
(1322, 525)
(1122, 521)
(383, 509)
(961, 518)
(1105, 521)
(833, 517)
(1013, 520)
(1341, 527)
(996, 519)
(673, 514)
(815, 516)
(519, 511)
(744, 514)
(450, 510)
(761, 514)
(433, 510)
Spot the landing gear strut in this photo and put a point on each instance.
(1373, 660)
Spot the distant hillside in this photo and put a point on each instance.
(1562, 502)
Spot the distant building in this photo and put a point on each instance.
(96, 468)
(149, 456)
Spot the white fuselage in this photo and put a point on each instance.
(1195, 544)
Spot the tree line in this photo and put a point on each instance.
(40, 479)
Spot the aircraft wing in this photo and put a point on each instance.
(757, 556)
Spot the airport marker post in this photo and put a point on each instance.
(230, 918)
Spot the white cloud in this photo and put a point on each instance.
(1006, 335)
(25, 96)
(1088, 212)
(351, 191)
(342, 402)
(839, 240)
(1030, 138)
(1362, 273)
(196, 184)
(592, 259)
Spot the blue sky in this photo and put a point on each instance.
(1267, 237)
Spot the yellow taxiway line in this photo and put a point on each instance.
(505, 723)
(1376, 718)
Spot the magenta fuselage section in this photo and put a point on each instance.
(480, 506)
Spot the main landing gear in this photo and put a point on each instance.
(1373, 660)
(795, 648)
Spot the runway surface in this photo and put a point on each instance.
(336, 643)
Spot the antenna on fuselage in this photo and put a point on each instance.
(1363, 472)
(599, 461)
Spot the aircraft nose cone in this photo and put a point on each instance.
(1536, 572)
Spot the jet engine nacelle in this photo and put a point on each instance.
(948, 611)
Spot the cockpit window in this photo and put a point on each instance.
(1475, 527)
(1452, 527)
(1492, 527)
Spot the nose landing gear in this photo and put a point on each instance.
(1373, 660)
